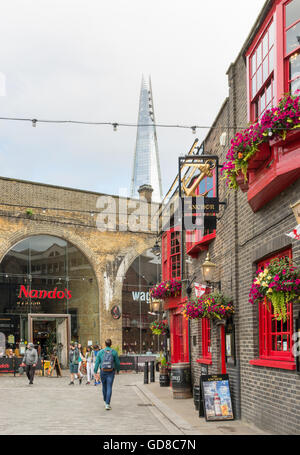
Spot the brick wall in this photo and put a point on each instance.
(67, 213)
(267, 397)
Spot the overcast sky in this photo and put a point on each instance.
(83, 60)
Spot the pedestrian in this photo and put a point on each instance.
(81, 360)
(96, 352)
(89, 356)
(73, 361)
(10, 354)
(30, 360)
(109, 363)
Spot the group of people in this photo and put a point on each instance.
(88, 364)
(106, 359)
(82, 365)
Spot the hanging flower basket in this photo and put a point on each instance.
(251, 148)
(278, 283)
(165, 289)
(213, 306)
(159, 327)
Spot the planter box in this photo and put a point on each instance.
(244, 186)
(262, 155)
(274, 167)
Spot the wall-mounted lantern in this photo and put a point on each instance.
(209, 271)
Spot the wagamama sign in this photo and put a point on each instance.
(140, 296)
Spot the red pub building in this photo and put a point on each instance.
(256, 224)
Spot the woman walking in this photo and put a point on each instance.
(89, 356)
(81, 364)
(95, 353)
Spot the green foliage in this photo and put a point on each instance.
(163, 360)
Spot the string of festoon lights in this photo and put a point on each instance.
(115, 125)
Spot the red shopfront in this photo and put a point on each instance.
(171, 269)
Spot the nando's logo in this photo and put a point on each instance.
(42, 294)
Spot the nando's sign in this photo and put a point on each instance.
(26, 292)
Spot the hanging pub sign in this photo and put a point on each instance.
(198, 191)
(216, 397)
(199, 204)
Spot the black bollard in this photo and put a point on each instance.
(146, 373)
(152, 371)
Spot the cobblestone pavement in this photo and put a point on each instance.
(53, 407)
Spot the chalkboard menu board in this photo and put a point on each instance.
(216, 397)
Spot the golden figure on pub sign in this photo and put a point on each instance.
(206, 170)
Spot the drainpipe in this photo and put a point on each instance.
(236, 246)
(182, 241)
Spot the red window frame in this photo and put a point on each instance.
(164, 258)
(277, 15)
(171, 254)
(175, 256)
(288, 55)
(261, 66)
(269, 329)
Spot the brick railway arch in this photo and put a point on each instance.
(81, 305)
(109, 285)
(132, 254)
(139, 271)
(55, 231)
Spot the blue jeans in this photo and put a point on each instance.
(107, 379)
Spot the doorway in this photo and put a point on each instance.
(50, 333)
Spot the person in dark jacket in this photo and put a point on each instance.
(30, 360)
(73, 361)
(109, 363)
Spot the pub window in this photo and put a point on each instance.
(165, 256)
(171, 254)
(292, 45)
(262, 74)
(275, 336)
(175, 254)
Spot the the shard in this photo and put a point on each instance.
(146, 168)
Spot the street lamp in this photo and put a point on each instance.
(156, 249)
(155, 306)
(208, 271)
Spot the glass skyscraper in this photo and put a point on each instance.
(146, 168)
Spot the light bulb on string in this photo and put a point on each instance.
(193, 129)
(34, 122)
(115, 126)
